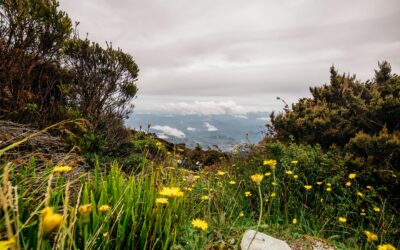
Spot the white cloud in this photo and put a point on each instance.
(167, 130)
(263, 118)
(210, 127)
(191, 129)
(241, 116)
(208, 108)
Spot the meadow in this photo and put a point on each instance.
(292, 192)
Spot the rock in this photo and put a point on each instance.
(261, 241)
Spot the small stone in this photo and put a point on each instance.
(253, 240)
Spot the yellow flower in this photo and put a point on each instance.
(257, 178)
(200, 224)
(371, 236)
(171, 192)
(328, 184)
(294, 221)
(62, 169)
(51, 221)
(321, 200)
(377, 209)
(232, 182)
(295, 176)
(85, 210)
(319, 183)
(273, 194)
(247, 194)
(162, 201)
(386, 247)
(360, 194)
(369, 187)
(204, 198)
(267, 174)
(294, 162)
(348, 184)
(352, 176)
(241, 214)
(196, 177)
(7, 244)
(342, 219)
(104, 208)
(105, 235)
(307, 187)
(289, 172)
(188, 189)
(271, 163)
(221, 173)
(363, 214)
(274, 183)
(329, 189)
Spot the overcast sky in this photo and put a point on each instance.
(240, 54)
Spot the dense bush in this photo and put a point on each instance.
(362, 119)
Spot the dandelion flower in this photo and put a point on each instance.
(270, 163)
(105, 235)
(348, 184)
(257, 178)
(247, 194)
(6, 244)
(319, 183)
(104, 208)
(162, 201)
(205, 198)
(294, 162)
(200, 224)
(232, 182)
(328, 184)
(294, 221)
(360, 194)
(342, 219)
(62, 169)
(274, 183)
(352, 176)
(241, 214)
(363, 214)
(221, 173)
(267, 174)
(377, 209)
(329, 189)
(273, 194)
(307, 187)
(386, 247)
(295, 176)
(371, 236)
(369, 187)
(51, 220)
(85, 210)
(171, 192)
(289, 172)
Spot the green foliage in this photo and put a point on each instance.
(359, 118)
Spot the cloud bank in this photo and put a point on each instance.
(167, 130)
(210, 128)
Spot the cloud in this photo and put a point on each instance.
(207, 108)
(167, 130)
(210, 128)
(191, 129)
(263, 118)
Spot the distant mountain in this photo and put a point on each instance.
(224, 131)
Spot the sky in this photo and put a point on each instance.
(237, 56)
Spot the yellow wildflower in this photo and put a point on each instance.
(307, 187)
(221, 173)
(241, 214)
(319, 183)
(274, 183)
(247, 194)
(257, 178)
(104, 208)
(196, 177)
(105, 235)
(171, 192)
(51, 220)
(188, 189)
(267, 174)
(371, 236)
(294, 162)
(232, 182)
(386, 247)
(270, 163)
(62, 169)
(85, 210)
(360, 194)
(328, 184)
(294, 221)
(289, 172)
(273, 194)
(204, 198)
(329, 189)
(342, 219)
(200, 224)
(352, 176)
(295, 176)
(369, 187)
(162, 201)
(348, 184)
(321, 200)
(377, 209)
(6, 244)
(363, 214)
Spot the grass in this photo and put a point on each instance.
(135, 220)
